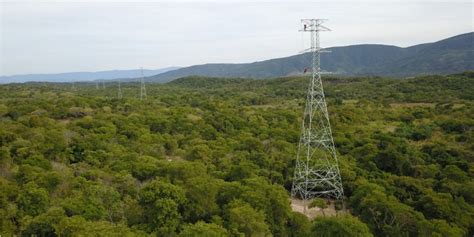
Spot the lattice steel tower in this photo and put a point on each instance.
(119, 94)
(142, 86)
(317, 171)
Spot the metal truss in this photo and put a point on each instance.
(119, 93)
(317, 171)
(142, 86)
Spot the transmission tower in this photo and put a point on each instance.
(317, 171)
(103, 83)
(142, 86)
(119, 96)
(96, 85)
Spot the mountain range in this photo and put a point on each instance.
(451, 55)
(83, 76)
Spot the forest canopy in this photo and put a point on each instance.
(215, 157)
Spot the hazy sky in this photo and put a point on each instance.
(69, 36)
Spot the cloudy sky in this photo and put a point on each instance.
(69, 36)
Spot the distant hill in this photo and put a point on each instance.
(452, 55)
(83, 76)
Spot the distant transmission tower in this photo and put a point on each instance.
(103, 84)
(142, 86)
(119, 96)
(96, 85)
(317, 171)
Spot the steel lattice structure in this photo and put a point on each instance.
(119, 94)
(142, 86)
(317, 171)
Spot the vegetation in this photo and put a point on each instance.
(343, 226)
(319, 203)
(215, 157)
(446, 56)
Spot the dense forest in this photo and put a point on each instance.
(215, 157)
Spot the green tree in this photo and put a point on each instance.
(44, 224)
(201, 194)
(33, 200)
(384, 214)
(345, 225)
(299, 225)
(78, 226)
(8, 207)
(438, 227)
(242, 218)
(162, 203)
(202, 229)
(319, 203)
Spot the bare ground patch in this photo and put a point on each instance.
(298, 205)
